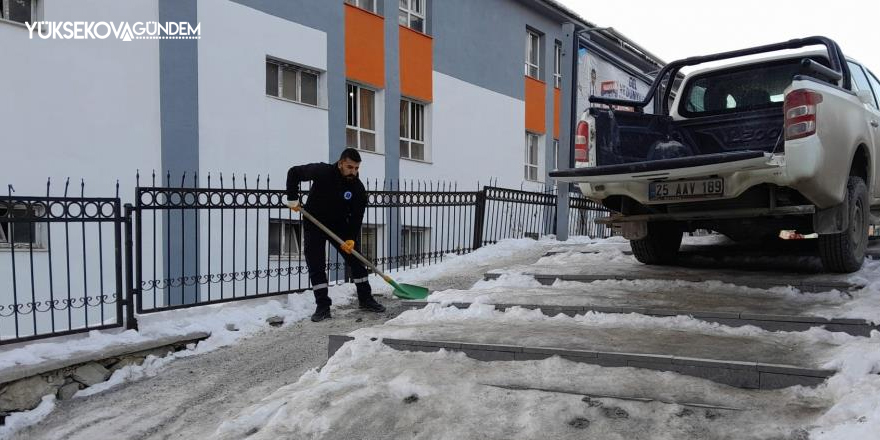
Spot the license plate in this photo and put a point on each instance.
(686, 189)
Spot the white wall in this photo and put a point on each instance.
(475, 134)
(241, 129)
(81, 109)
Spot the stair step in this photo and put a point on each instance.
(766, 321)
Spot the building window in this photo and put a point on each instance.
(290, 82)
(285, 237)
(412, 14)
(20, 234)
(531, 159)
(414, 242)
(19, 11)
(412, 130)
(369, 242)
(533, 54)
(360, 129)
(369, 5)
(557, 65)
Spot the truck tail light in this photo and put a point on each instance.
(800, 113)
(582, 142)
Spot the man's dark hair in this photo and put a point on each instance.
(350, 153)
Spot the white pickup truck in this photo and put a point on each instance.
(784, 141)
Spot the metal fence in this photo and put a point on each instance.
(582, 215)
(510, 213)
(223, 241)
(64, 270)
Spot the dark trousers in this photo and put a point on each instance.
(316, 256)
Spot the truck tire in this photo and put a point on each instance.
(660, 246)
(845, 252)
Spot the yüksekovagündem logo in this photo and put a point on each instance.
(101, 30)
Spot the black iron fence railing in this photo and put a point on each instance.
(64, 269)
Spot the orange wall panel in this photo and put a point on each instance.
(557, 96)
(535, 105)
(416, 64)
(364, 46)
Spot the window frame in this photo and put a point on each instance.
(358, 4)
(686, 89)
(557, 65)
(358, 112)
(528, 64)
(528, 166)
(4, 12)
(410, 12)
(876, 81)
(369, 248)
(298, 70)
(284, 251)
(856, 67)
(37, 242)
(406, 242)
(408, 137)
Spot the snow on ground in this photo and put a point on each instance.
(481, 323)
(370, 391)
(249, 316)
(513, 288)
(367, 388)
(230, 323)
(16, 421)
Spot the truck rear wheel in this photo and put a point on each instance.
(845, 252)
(660, 246)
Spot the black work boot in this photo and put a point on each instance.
(369, 303)
(321, 314)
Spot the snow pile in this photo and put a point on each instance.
(368, 390)
(517, 288)
(23, 419)
(478, 261)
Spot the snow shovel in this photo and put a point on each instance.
(405, 291)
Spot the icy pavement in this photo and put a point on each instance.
(648, 294)
(598, 332)
(614, 264)
(189, 395)
(368, 391)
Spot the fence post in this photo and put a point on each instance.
(479, 218)
(130, 319)
(562, 212)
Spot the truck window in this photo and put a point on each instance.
(875, 84)
(741, 88)
(859, 79)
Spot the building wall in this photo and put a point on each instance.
(482, 44)
(472, 143)
(79, 108)
(84, 109)
(241, 129)
(329, 17)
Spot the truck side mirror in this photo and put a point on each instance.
(866, 97)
